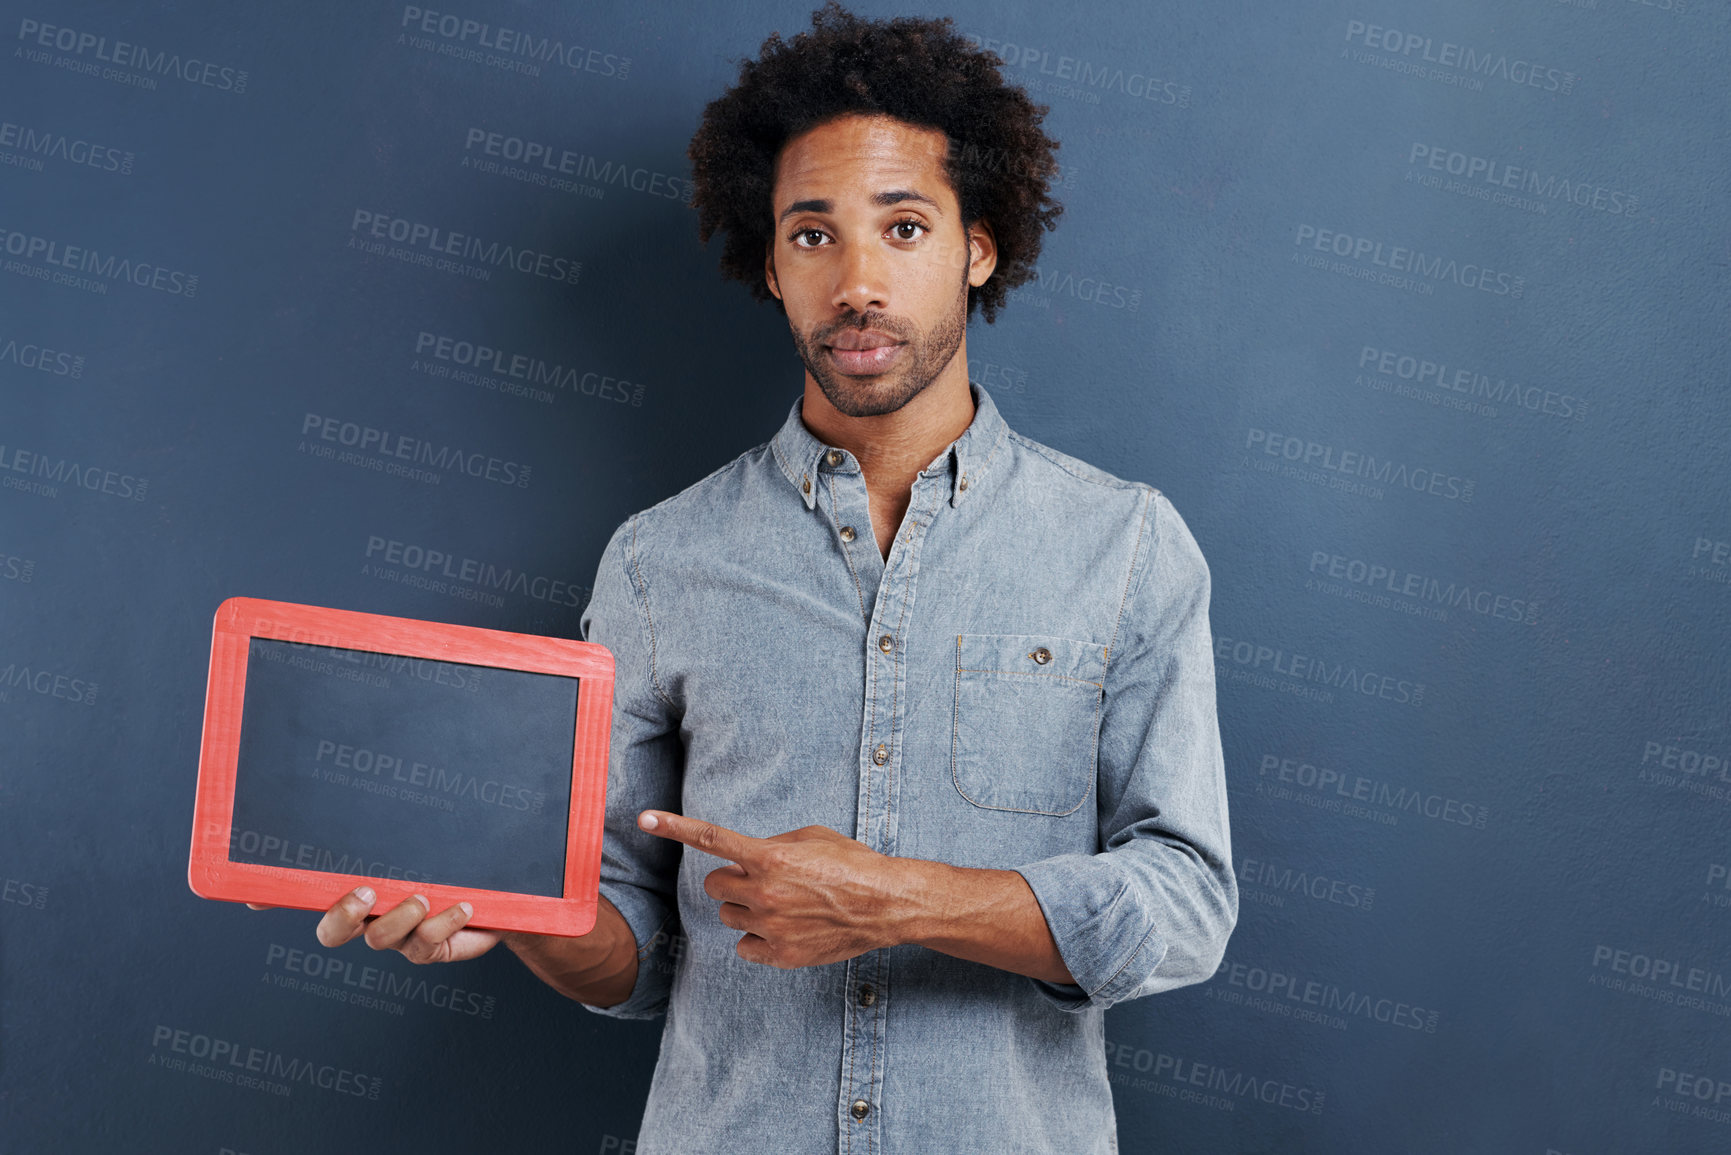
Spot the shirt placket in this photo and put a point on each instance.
(866, 988)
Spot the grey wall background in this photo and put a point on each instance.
(1417, 310)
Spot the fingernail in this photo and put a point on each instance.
(366, 895)
(648, 821)
(466, 909)
(422, 899)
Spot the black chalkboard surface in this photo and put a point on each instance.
(356, 762)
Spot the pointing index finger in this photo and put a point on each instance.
(700, 835)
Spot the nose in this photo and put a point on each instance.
(862, 279)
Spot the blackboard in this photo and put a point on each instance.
(359, 762)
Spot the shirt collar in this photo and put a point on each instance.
(968, 459)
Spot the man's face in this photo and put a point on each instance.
(871, 259)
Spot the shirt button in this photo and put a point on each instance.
(868, 995)
(1041, 656)
(886, 643)
(833, 457)
(860, 1109)
(881, 754)
(962, 485)
(847, 533)
(805, 486)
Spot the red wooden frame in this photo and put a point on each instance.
(210, 872)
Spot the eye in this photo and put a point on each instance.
(907, 230)
(809, 238)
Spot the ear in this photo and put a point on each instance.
(982, 252)
(769, 269)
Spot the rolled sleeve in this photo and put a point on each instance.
(643, 772)
(1153, 909)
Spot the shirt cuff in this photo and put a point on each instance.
(654, 930)
(1104, 932)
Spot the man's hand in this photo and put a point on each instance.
(814, 896)
(406, 927)
(804, 898)
(409, 927)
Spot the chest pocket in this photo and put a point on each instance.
(1027, 720)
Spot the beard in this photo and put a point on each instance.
(926, 355)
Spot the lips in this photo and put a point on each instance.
(853, 339)
(862, 352)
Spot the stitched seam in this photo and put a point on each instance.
(641, 588)
(1130, 578)
(1127, 962)
(956, 725)
(781, 460)
(955, 761)
(834, 520)
(1026, 674)
(644, 953)
(882, 1008)
(1028, 810)
(852, 1053)
(901, 632)
(739, 462)
(1003, 433)
(1102, 479)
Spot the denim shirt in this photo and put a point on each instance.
(1026, 683)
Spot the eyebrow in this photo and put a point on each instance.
(882, 199)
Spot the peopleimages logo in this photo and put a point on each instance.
(524, 374)
(1093, 290)
(1473, 388)
(1355, 470)
(41, 358)
(95, 50)
(1291, 995)
(394, 448)
(1373, 582)
(1522, 187)
(356, 761)
(440, 565)
(1674, 980)
(1691, 764)
(1414, 53)
(1186, 1073)
(430, 241)
(352, 983)
(1369, 256)
(515, 51)
(228, 1061)
(27, 147)
(1702, 1096)
(1258, 664)
(17, 569)
(25, 678)
(1710, 559)
(1271, 882)
(30, 471)
(545, 164)
(54, 260)
(24, 894)
(1325, 788)
(1069, 75)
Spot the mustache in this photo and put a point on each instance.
(874, 319)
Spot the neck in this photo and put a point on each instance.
(892, 448)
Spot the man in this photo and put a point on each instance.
(915, 761)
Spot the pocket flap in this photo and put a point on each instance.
(1031, 655)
